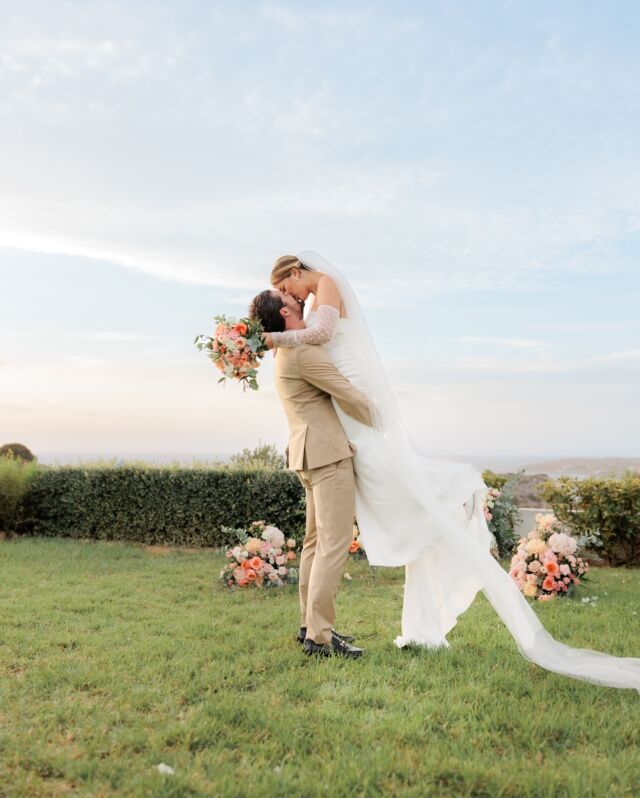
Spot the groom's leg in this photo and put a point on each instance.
(308, 551)
(334, 498)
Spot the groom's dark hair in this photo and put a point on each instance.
(266, 307)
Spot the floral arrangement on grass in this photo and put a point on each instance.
(262, 558)
(502, 514)
(236, 349)
(356, 548)
(545, 564)
(489, 502)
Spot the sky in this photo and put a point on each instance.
(472, 167)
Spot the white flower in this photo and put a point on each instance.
(273, 536)
(562, 543)
(162, 768)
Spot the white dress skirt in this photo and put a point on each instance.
(410, 512)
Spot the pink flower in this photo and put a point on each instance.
(535, 566)
(564, 569)
(281, 559)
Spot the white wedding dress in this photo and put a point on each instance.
(410, 512)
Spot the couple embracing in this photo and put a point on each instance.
(351, 451)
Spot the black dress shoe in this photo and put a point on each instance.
(302, 634)
(338, 648)
(312, 649)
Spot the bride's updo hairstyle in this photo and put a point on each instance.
(283, 267)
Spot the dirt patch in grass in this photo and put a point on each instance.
(158, 549)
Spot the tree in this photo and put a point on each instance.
(18, 450)
(264, 456)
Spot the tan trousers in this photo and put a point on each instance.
(330, 494)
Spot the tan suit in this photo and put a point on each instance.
(320, 453)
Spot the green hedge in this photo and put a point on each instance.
(180, 506)
(606, 512)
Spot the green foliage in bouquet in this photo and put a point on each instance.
(604, 514)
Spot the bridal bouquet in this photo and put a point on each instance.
(262, 557)
(236, 349)
(545, 563)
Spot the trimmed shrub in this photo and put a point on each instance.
(605, 513)
(180, 506)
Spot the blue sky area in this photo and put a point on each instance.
(473, 168)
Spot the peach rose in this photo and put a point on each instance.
(241, 342)
(243, 582)
(530, 589)
(240, 327)
(251, 575)
(548, 583)
(255, 563)
(291, 555)
(551, 567)
(354, 546)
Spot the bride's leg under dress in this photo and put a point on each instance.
(441, 583)
(435, 592)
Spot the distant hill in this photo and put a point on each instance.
(585, 466)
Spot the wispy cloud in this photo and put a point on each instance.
(517, 343)
(474, 173)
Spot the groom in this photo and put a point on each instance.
(321, 455)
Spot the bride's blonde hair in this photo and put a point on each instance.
(283, 267)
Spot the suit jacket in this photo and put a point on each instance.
(306, 379)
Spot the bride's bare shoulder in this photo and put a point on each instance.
(328, 292)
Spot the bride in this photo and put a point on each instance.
(423, 513)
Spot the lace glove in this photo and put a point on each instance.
(321, 331)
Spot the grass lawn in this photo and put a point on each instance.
(114, 658)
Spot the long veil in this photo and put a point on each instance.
(475, 566)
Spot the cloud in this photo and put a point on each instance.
(524, 343)
(123, 337)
